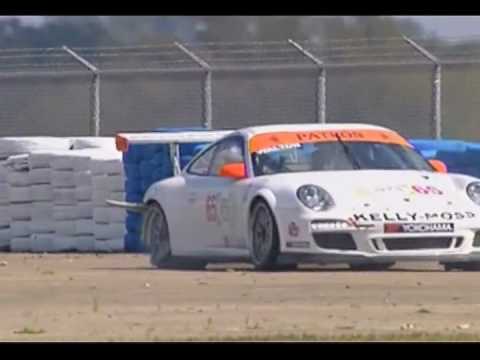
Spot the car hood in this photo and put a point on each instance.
(379, 189)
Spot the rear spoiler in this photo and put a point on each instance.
(124, 140)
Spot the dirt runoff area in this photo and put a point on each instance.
(119, 297)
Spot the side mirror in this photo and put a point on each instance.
(438, 165)
(235, 171)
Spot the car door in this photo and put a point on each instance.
(192, 236)
(208, 194)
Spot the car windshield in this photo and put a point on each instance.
(337, 155)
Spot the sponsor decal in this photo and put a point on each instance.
(419, 227)
(354, 223)
(272, 140)
(404, 188)
(427, 190)
(211, 208)
(280, 147)
(412, 216)
(293, 229)
(412, 189)
(326, 135)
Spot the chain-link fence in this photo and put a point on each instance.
(417, 88)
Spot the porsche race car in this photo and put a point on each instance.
(327, 193)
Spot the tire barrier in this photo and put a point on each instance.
(147, 159)
(145, 164)
(53, 189)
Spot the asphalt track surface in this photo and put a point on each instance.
(120, 297)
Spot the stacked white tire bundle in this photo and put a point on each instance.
(16, 189)
(24, 145)
(108, 184)
(84, 238)
(64, 201)
(19, 202)
(4, 205)
(80, 143)
(73, 201)
(42, 222)
(53, 194)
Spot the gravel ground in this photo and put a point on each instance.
(119, 297)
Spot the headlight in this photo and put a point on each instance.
(314, 197)
(473, 192)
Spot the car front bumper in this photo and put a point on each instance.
(346, 242)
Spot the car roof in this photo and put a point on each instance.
(254, 130)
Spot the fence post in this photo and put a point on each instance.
(321, 82)
(94, 123)
(436, 88)
(95, 101)
(207, 85)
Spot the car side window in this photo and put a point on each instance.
(229, 151)
(202, 164)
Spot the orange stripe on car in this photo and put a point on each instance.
(271, 140)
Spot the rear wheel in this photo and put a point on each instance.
(372, 267)
(157, 241)
(265, 244)
(156, 236)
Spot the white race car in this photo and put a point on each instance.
(328, 193)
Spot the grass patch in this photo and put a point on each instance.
(149, 332)
(423, 311)
(412, 336)
(29, 331)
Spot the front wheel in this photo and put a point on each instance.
(265, 244)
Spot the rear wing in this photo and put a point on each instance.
(174, 139)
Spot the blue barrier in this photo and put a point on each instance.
(133, 185)
(429, 154)
(145, 164)
(131, 196)
(131, 243)
(439, 145)
(460, 156)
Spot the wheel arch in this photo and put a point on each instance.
(265, 195)
(269, 198)
(152, 201)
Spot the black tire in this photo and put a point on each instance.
(450, 267)
(372, 266)
(157, 241)
(264, 239)
(465, 266)
(286, 267)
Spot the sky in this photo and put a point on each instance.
(450, 26)
(31, 20)
(443, 26)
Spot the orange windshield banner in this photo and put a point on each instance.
(284, 140)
